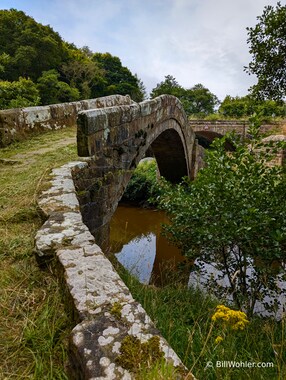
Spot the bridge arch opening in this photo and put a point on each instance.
(205, 138)
(169, 152)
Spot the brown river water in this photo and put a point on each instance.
(136, 241)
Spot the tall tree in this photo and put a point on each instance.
(267, 42)
(81, 71)
(199, 101)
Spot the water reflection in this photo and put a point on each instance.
(136, 241)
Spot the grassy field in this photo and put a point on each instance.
(33, 323)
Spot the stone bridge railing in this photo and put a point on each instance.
(19, 123)
(105, 313)
(221, 127)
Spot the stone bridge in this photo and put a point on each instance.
(207, 130)
(117, 138)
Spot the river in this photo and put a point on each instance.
(137, 242)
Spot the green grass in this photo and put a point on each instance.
(34, 326)
(184, 318)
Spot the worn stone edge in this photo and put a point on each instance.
(93, 284)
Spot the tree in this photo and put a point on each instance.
(21, 93)
(233, 218)
(267, 42)
(169, 86)
(32, 47)
(235, 107)
(198, 100)
(81, 72)
(118, 79)
(246, 106)
(52, 90)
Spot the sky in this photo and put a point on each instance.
(195, 41)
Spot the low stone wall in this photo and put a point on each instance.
(105, 310)
(221, 127)
(19, 123)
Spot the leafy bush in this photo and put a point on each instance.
(233, 217)
(142, 183)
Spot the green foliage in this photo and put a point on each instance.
(142, 183)
(21, 93)
(81, 72)
(267, 42)
(32, 47)
(52, 90)
(118, 79)
(239, 107)
(169, 86)
(233, 218)
(36, 52)
(198, 100)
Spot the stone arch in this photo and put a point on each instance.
(168, 146)
(205, 138)
(117, 138)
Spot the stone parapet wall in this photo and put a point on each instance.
(19, 123)
(223, 126)
(105, 310)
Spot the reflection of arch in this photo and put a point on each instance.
(205, 138)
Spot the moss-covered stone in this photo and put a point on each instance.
(134, 354)
(116, 309)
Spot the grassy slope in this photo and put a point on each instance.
(33, 323)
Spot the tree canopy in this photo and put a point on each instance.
(246, 106)
(267, 41)
(30, 46)
(36, 53)
(198, 100)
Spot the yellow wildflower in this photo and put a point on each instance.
(218, 339)
(236, 320)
